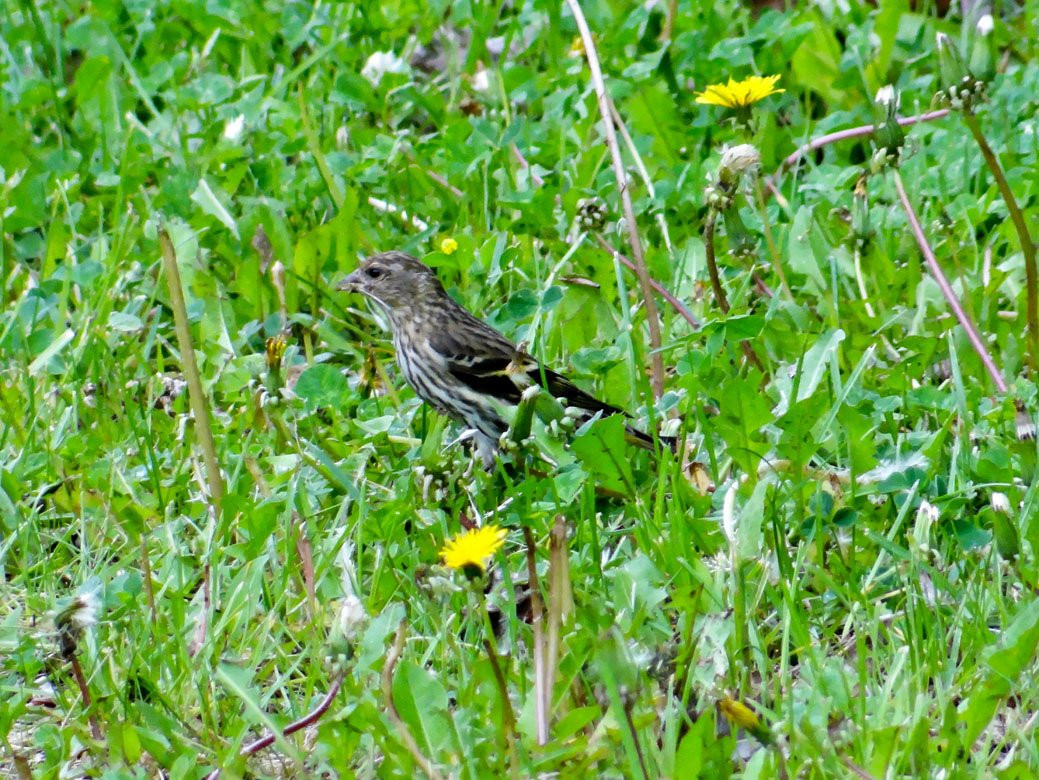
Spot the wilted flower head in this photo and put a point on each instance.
(470, 550)
(381, 63)
(75, 618)
(740, 159)
(1000, 502)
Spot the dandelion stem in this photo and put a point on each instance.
(770, 241)
(676, 304)
(946, 288)
(1027, 245)
(537, 624)
(637, 254)
(196, 394)
(712, 263)
(391, 708)
(311, 717)
(843, 135)
(509, 719)
(862, 285)
(716, 283)
(84, 692)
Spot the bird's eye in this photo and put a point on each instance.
(374, 272)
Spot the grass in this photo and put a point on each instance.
(837, 578)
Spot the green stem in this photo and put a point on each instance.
(712, 263)
(196, 394)
(1027, 245)
(773, 249)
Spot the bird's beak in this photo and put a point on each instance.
(350, 283)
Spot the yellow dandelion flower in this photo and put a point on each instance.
(742, 716)
(739, 94)
(448, 246)
(470, 550)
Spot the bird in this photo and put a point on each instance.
(455, 362)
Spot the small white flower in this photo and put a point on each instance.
(352, 617)
(929, 511)
(482, 80)
(1000, 502)
(886, 96)
(234, 128)
(381, 63)
(342, 136)
(739, 159)
(985, 25)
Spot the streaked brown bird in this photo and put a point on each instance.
(456, 363)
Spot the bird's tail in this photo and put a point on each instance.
(644, 440)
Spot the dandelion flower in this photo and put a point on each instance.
(739, 714)
(739, 94)
(448, 246)
(470, 550)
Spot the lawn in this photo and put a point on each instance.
(224, 514)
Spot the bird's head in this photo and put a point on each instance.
(394, 280)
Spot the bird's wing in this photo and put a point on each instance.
(487, 362)
(482, 359)
(561, 387)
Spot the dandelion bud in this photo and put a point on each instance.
(275, 351)
(1000, 503)
(1023, 422)
(887, 133)
(960, 89)
(983, 49)
(886, 96)
(1008, 541)
(860, 224)
(591, 215)
(741, 243)
(951, 67)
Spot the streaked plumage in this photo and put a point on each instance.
(458, 364)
